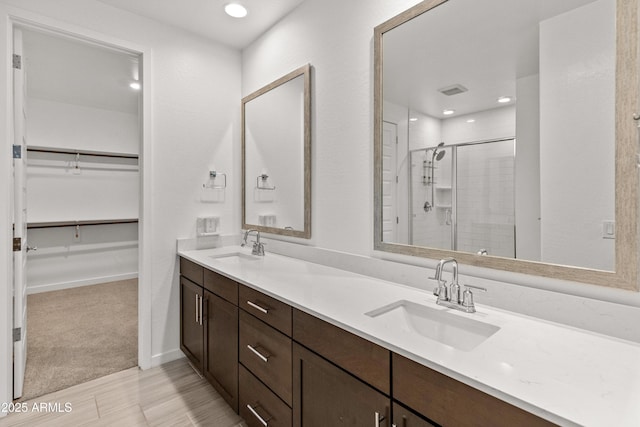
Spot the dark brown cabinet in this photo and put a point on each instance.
(191, 325)
(221, 362)
(325, 395)
(209, 327)
(403, 417)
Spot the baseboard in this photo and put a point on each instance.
(169, 356)
(78, 283)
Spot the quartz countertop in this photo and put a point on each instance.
(565, 375)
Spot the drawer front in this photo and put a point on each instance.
(192, 271)
(221, 286)
(451, 403)
(258, 403)
(267, 354)
(364, 359)
(267, 309)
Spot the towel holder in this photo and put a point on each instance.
(212, 177)
(264, 186)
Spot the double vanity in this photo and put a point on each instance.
(289, 342)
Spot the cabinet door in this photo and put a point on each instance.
(191, 322)
(325, 395)
(403, 417)
(221, 332)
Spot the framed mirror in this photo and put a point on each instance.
(276, 156)
(505, 136)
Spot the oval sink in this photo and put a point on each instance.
(462, 333)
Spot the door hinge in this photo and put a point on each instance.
(17, 151)
(17, 334)
(17, 244)
(17, 61)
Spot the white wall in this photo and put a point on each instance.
(63, 125)
(195, 112)
(576, 112)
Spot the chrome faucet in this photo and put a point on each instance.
(258, 247)
(450, 297)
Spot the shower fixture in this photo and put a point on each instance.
(429, 178)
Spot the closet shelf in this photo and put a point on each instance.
(38, 149)
(53, 224)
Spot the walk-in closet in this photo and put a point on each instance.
(82, 138)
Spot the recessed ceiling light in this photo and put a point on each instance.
(471, 121)
(504, 99)
(236, 10)
(448, 112)
(135, 85)
(413, 119)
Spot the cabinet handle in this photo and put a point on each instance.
(378, 419)
(197, 305)
(257, 307)
(257, 353)
(255, 414)
(200, 311)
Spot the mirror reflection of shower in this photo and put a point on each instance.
(428, 177)
(464, 200)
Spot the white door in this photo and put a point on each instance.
(19, 217)
(389, 183)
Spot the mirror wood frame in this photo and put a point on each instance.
(627, 94)
(305, 71)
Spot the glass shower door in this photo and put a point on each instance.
(484, 198)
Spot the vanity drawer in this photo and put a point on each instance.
(192, 271)
(263, 402)
(267, 354)
(451, 403)
(267, 309)
(364, 359)
(221, 285)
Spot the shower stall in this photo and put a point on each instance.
(461, 197)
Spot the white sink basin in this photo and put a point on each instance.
(458, 331)
(235, 258)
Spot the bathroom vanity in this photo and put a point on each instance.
(319, 345)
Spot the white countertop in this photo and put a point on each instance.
(566, 375)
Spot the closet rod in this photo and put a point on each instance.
(75, 223)
(82, 152)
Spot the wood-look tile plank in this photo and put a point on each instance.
(168, 395)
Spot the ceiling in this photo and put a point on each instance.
(484, 46)
(66, 70)
(208, 19)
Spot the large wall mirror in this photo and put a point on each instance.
(505, 136)
(276, 156)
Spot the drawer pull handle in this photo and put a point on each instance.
(255, 414)
(257, 307)
(257, 353)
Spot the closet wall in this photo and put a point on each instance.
(82, 157)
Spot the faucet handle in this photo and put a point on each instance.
(467, 298)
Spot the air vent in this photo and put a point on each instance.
(453, 90)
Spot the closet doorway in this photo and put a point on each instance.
(80, 156)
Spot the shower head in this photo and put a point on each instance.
(438, 155)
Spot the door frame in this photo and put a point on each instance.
(12, 17)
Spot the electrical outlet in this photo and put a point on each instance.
(608, 229)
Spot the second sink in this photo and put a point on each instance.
(462, 333)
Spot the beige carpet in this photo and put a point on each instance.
(76, 335)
